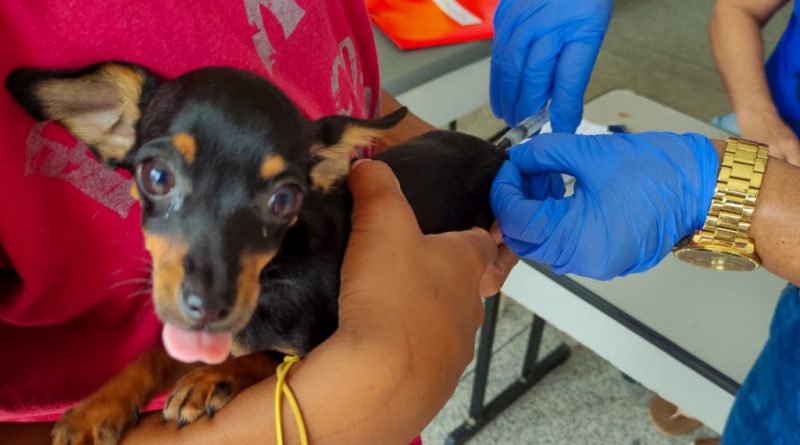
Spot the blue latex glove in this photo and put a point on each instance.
(635, 197)
(543, 186)
(545, 49)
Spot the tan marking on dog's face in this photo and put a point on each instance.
(335, 162)
(186, 146)
(135, 192)
(272, 166)
(248, 284)
(100, 108)
(168, 258)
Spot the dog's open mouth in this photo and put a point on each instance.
(191, 346)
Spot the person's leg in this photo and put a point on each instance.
(767, 407)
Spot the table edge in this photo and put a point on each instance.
(661, 342)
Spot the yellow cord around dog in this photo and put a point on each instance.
(281, 388)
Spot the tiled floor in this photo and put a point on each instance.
(584, 401)
(660, 49)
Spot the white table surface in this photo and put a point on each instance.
(721, 318)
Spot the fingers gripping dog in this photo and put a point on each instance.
(245, 214)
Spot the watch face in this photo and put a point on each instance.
(716, 259)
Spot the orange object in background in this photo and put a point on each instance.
(422, 23)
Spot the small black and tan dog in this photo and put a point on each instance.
(245, 214)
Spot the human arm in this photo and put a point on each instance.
(410, 127)
(775, 228)
(635, 197)
(739, 53)
(542, 50)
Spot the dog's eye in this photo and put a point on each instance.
(285, 201)
(155, 177)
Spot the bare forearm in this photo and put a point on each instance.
(342, 390)
(739, 52)
(776, 221)
(408, 128)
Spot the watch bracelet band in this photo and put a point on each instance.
(731, 212)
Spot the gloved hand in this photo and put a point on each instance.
(545, 49)
(635, 197)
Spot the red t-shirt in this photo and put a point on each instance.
(79, 307)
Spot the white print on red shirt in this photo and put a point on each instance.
(348, 51)
(287, 12)
(45, 157)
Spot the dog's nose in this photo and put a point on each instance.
(203, 310)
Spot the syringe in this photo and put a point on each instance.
(525, 129)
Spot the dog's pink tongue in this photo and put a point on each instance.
(196, 346)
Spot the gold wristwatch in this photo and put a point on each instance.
(724, 243)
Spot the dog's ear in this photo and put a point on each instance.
(335, 138)
(100, 104)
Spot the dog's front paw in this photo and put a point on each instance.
(202, 391)
(207, 389)
(93, 422)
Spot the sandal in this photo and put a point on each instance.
(669, 419)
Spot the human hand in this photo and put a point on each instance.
(635, 197)
(416, 295)
(496, 274)
(768, 128)
(545, 49)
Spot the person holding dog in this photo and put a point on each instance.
(74, 277)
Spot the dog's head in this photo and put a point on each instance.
(221, 160)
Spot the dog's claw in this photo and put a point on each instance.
(203, 391)
(206, 390)
(91, 422)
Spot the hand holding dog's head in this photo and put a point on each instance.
(221, 159)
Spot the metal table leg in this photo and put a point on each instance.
(481, 413)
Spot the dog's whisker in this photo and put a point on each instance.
(135, 280)
(145, 309)
(145, 281)
(142, 259)
(138, 293)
